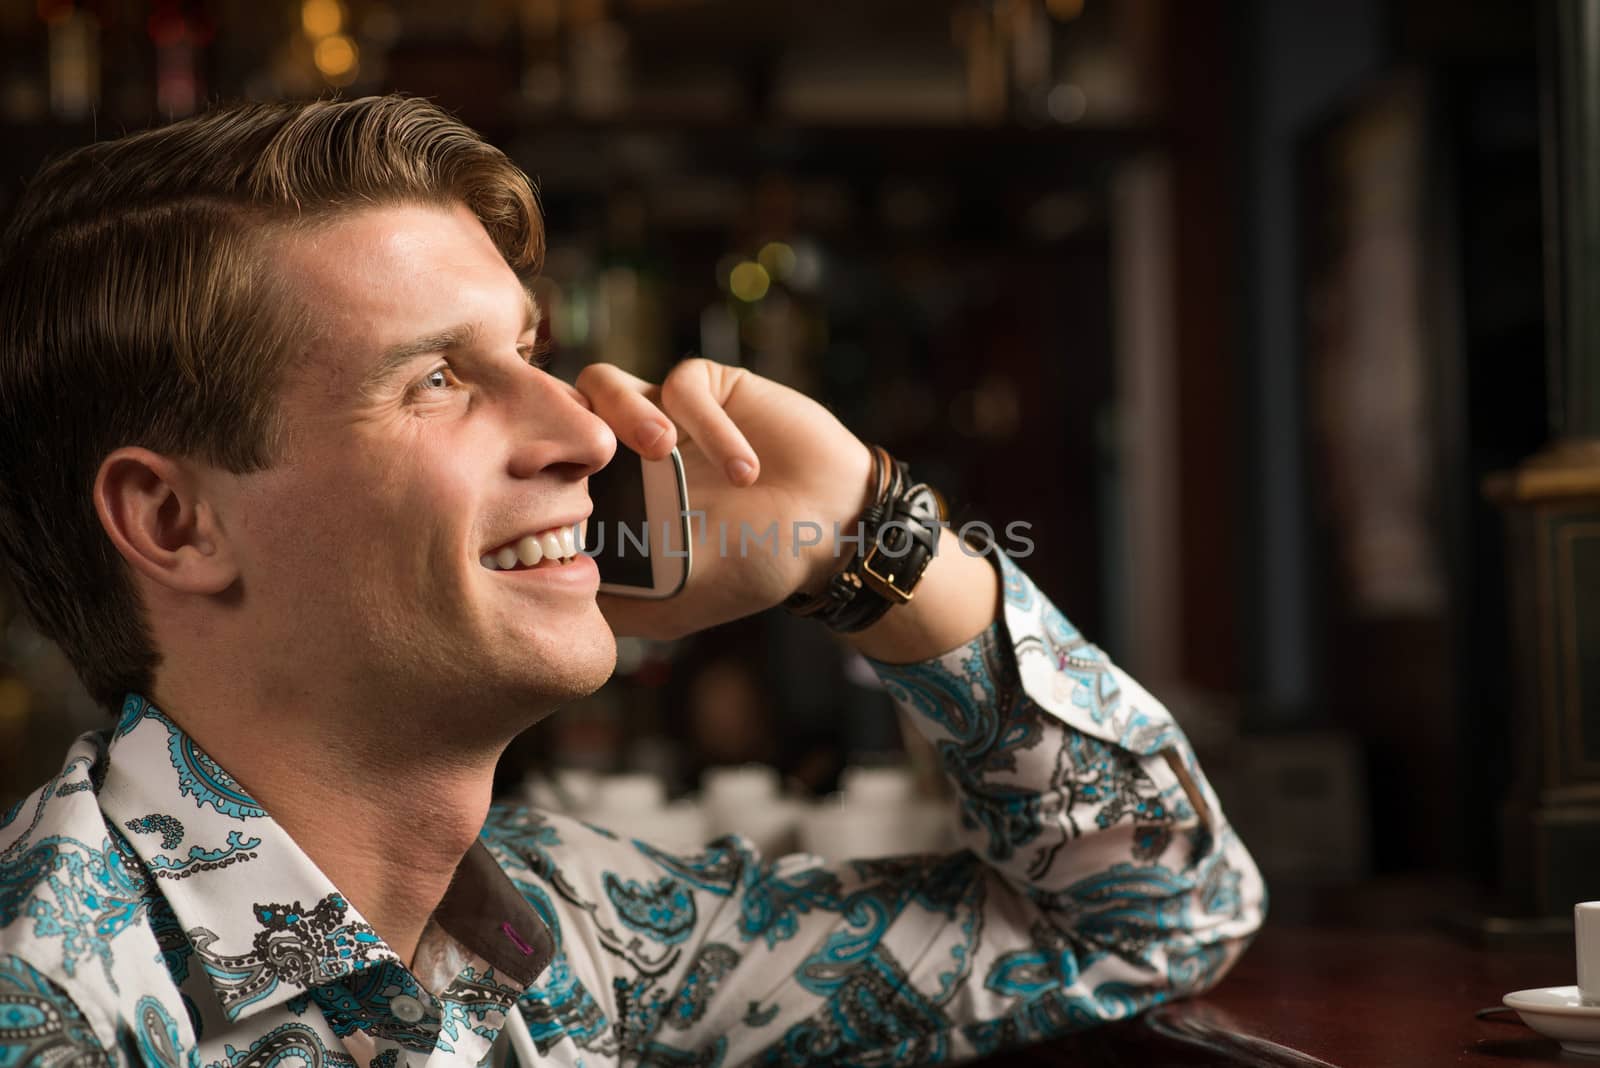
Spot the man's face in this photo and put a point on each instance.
(408, 461)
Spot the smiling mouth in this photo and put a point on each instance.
(550, 548)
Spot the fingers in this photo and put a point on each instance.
(626, 403)
(575, 393)
(696, 394)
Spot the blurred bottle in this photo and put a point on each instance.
(180, 37)
(976, 31)
(598, 46)
(74, 63)
(543, 85)
(628, 317)
(1027, 33)
(24, 81)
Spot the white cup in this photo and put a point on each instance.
(740, 785)
(878, 786)
(1586, 926)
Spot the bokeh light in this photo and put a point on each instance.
(321, 18)
(749, 281)
(336, 58)
(777, 258)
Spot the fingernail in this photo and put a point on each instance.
(740, 470)
(651, 432)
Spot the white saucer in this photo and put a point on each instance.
(1558, 1012)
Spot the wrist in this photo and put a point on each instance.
(843, 515)
(897, 537)
(957, 600)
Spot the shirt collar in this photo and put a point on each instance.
(264, 921)
(485, 912)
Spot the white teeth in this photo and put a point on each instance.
(559, 544)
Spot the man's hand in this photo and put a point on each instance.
(804, 466)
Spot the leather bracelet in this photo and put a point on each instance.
(900, 528)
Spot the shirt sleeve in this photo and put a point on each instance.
(1098, 877)
(40, 1024)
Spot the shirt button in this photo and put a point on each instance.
(407, 1009)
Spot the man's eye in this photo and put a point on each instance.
(537, 354)
(438, 378)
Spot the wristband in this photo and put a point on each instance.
(900, 531)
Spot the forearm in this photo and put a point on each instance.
(957, 599)
(1100, 876)
(1079, 789)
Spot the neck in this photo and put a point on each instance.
(386, 814)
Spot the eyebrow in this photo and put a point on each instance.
(450, 339)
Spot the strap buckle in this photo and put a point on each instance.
(881, 583)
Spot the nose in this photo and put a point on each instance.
(555, 431)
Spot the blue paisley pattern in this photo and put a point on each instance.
(201, 778)
(38, 1024)
(773, 903)
(663, 910)
(74, 895)
(152, 913)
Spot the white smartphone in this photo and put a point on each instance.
(638, 532)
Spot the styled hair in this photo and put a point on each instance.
(139, 306)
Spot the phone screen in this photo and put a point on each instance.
(617, 491)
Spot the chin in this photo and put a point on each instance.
(600, 670)
(580, 666)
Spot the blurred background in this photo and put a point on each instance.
(1238, 304)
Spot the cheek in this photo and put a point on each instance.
(299, 534)
(410, 512)
(314, 516)
(367, 511)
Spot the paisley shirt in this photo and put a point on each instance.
(151, 913)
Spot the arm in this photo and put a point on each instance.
(957, 599)
(1100, 877)
(1079, 791)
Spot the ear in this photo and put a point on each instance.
(152, 507)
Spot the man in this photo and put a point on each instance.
(273, 396)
